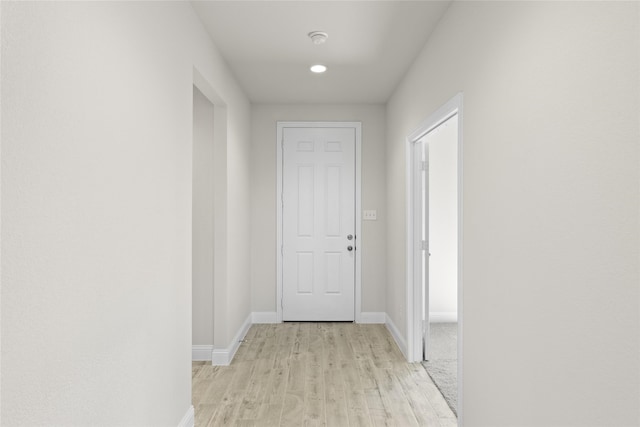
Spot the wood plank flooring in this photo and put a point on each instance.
(317, 374)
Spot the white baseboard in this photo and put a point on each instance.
(189, 418)
(373, 317)
(395, 333)
(224, 356)
(264, 317)
(258, 317)
(201, 352)
(443, 317)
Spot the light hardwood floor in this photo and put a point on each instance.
(317, 374)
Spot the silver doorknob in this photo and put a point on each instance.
(349, 237)
(349, 248)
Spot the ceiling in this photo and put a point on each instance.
(371, 45)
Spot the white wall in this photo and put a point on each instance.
(263, 202)
(442, 146)
(203, 220)
(96, 209)
(238, 200)
(551, 205)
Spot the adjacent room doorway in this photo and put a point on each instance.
(318, 221)
(434, 287)
(208, 196)
(439, 228)
(202, 221)
(440, 256)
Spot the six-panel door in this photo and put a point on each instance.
(318, 224)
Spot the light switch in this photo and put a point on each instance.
(371, 215)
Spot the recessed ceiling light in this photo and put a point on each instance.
(318, 68)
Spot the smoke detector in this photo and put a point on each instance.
(318, 37)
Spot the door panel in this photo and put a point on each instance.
(318, 214)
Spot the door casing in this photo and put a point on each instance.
(357, 126)
(415, 298)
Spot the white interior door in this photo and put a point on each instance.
(318, 224)
(423, 148)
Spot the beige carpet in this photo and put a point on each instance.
(442, 365)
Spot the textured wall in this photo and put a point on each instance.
(550, 214)
(96, 209)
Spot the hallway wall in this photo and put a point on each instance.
(202, 253)
(264, 119)
(551, 205)
(96, 210)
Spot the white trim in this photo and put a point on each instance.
(220, 357)
(201, 353)
(207, 89)
(259, 317)
(443, 317)
(414, 254)
(372, 317)
(224, 356)
(397, 336)
(460, 405)
(189, 419)
(414, 291)
(279, 202)
(358, 273)
(359, 238)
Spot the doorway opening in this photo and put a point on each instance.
(435, 249)
(202, 217)
(440, 256)
(208, 219)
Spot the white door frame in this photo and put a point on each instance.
(414, 241)
(357, 126)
